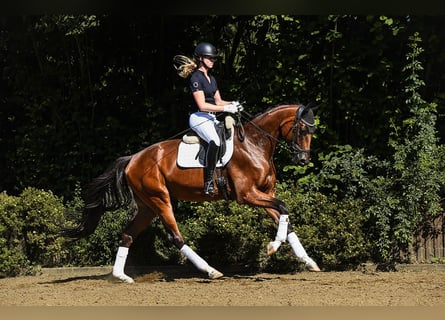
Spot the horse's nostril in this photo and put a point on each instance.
(303, 161)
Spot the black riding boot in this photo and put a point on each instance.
(211, 158)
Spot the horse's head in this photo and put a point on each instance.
(302, 129)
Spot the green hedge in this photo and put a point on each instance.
(223, 233)
(29, 227)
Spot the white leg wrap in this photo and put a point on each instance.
(200, 263)
(119, 265)
(297, 246)
(300, 252)
(194, 258)
(281, 236)
(282, 228)
(274, 245)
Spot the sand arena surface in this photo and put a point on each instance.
(184, 286)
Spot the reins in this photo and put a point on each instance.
(248, 119)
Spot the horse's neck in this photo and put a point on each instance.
(266, 126)
(258, 141)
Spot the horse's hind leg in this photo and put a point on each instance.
(175, 236)
(137, 225)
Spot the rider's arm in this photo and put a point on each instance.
(204, 106)
(219, 101)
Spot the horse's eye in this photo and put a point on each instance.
(304, 130)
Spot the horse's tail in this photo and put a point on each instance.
(107, 192)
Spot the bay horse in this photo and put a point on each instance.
(151, 178)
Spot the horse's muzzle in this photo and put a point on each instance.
(302, 158)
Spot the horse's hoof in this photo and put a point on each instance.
(123, 278)
(312, 266)
(215, 274)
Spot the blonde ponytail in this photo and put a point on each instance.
(184, 65)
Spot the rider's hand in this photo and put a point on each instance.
(230, 108)
(238, 105)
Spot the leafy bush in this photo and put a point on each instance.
(12, 256)
(100, 247)
(331, 229)
(29, 227)
(224, 232)
(42, 214)
(409, 194)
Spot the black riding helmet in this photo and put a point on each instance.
(205, 49)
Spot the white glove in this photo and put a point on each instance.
(238, 105)
(230, 108)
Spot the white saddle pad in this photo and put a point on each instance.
(188, 154)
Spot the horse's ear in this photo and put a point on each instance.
(315, 109)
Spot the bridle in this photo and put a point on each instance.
(294, 148)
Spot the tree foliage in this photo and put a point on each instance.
(81, 90)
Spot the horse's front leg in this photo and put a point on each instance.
(281, 218)
(285, 232)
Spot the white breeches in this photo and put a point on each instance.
(203, 123)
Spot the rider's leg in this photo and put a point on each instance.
(210, 165)
(203, 124)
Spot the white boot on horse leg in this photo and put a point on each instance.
(119, 265)
(200, 263)
(296, 245)
(281, 236)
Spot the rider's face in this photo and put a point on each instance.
(208, 61)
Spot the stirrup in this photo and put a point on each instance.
(209, 188)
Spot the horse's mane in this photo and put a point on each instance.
(297, 103)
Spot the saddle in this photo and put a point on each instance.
(192, 149)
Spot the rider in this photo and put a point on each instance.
(208, 101)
